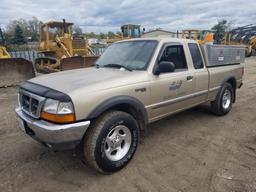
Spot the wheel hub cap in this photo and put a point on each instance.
(117, 143)
(226, 99)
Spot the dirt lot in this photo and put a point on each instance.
(191, 151)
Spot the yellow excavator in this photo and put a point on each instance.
(245, 35)
(61, 50)
(13, 70)
(202, 36)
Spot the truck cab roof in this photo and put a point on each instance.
(163, 39)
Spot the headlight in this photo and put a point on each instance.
(51, 106)
(59, 112)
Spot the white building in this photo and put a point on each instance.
(92, 41)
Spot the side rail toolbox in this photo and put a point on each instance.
(219, 55)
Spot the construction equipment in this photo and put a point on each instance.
(13, 70)
(128, 31)
(202, 36)
(245, 35)
(3, 51)
(59, 47)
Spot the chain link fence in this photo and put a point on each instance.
(31, 55)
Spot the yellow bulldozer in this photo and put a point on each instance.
(128, 31)
(202, 36)
(61, 50)
(13, 70)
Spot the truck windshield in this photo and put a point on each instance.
(134, 55)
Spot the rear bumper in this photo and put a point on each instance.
(55, 136)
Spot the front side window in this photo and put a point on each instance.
(125, 31)
(134, 55)
(175, 54)
(54, 31)
(136, 33)
(196, 56)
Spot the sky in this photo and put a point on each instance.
(103, 16)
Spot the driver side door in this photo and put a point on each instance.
(172, 91)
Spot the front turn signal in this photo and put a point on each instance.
(58, 118)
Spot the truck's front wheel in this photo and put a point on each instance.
(111, 141)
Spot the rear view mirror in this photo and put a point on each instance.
(164, 67)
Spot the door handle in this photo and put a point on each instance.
(190, 78)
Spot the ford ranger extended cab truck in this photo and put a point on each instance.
(135, 82)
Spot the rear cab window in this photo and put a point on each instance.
(196, 56)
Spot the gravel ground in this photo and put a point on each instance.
(191, 151)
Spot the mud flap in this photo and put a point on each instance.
(77, 62)
(15, 70)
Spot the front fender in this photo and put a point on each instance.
(117, 100)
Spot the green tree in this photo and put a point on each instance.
(77, 30)
(30, 28)
(220, 29)
(11, 26)
(19, 37)
(102, 36)
(33, 28)
(111, 35)
(2, 39)
(91, 35)
(119, 33)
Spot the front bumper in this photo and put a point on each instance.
(55, 136)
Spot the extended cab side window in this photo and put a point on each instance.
(196, 56)
(175, 54)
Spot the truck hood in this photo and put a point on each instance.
(92, 79)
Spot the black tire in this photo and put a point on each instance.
(96, 138)
(217, 105)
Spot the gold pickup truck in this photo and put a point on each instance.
(135, 82)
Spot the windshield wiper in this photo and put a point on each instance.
(117, 66)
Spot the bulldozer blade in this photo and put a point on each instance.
(15, 70)
(77, 62)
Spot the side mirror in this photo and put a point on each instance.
(164, 67)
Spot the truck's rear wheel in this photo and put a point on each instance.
(111, 141)
(223, 103)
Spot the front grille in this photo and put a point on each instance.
(30, 103)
